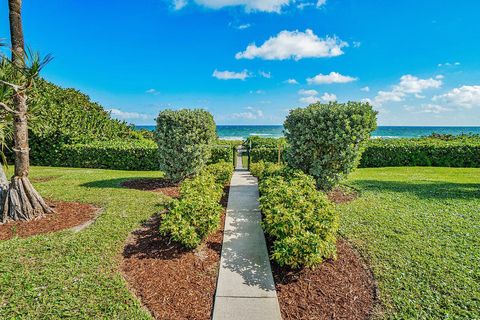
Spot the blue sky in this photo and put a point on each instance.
(250, 61)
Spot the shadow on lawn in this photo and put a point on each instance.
(117, 183)
(424, 189)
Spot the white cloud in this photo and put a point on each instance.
(365, 89)
(249, 5)
(244, 26)
(408, 85)
(440, 76)
(251, 114)
(327, 97)
(231, 75)
(264, 74)
(258, 91)
(309, 99)
(152, 91)
(465, 97)
(294, 45)
(332, 77)
(357, 44)
(123, 115)
(304, 92)
(449, 64)
(179, 4)
(432, 108)
(291, 81)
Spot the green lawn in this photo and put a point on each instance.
(76, 275)
(419, 228)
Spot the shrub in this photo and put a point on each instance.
(197, 213)
(222, 171)
(300, 220)
(115, 154)
(184, 140)
(257, 168)
(254, 142)
(267, 154)
(221, 153)
(438, 151)
(326, 140)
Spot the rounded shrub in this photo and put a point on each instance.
(185, 138)
(326, 140)
(299, 219)
(222, 171)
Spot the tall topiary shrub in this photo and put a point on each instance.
(185, 139)
(326, 140)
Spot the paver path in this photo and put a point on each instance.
(245, 287)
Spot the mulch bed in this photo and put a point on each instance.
(160, 185)
(340, 289)
(67, 215)
(342, 195)
(172, 282)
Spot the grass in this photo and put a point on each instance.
(68, 274)
(244, 161)
(419, 228)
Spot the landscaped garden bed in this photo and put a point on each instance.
(171, 281)
(161, 185)
(67, 215)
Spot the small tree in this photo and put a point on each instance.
(185, 138)
(327, 140)
(19, 200)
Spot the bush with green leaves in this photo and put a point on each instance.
(267, 154)
(327, 140)
(115, 154)
(222, 171)
(184, 139)
(436, 151)
(254, 142)
(221, 153)
(257, 168)
(299, 219)
(196, 214)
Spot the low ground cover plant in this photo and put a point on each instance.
(185, 138)
(197, 213)
(327, 140)
(299, 219)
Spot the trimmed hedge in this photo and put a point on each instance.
(327, 140)
(119, 155)
(197, 213)
(430, 151)
(266, 154)
(185, 138)
(221, 153)
(299, 219)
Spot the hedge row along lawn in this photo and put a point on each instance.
(68, 274)
(419, 228)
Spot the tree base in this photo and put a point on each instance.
(20, 201)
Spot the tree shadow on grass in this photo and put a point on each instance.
(119, 182)
(424, 189)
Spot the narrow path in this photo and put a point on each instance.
(245, 287)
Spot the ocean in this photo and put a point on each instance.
(240, 132)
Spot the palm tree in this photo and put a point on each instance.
(20, 200)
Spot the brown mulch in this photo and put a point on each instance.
(67, 215)
(43, 179)
(342, 195)
(172, 282)
(154, 184)
(340, 289)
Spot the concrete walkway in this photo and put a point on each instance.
(245, 287)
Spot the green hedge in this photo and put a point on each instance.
(222, 171)
(221, 153)
(266, 154)
(456, 152)
(299, 219)
(120, 155)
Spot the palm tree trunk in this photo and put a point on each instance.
(21, 201)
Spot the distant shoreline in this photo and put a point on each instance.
(240, 132)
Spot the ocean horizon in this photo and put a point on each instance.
(240, 132)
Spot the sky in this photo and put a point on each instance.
(251, 61)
